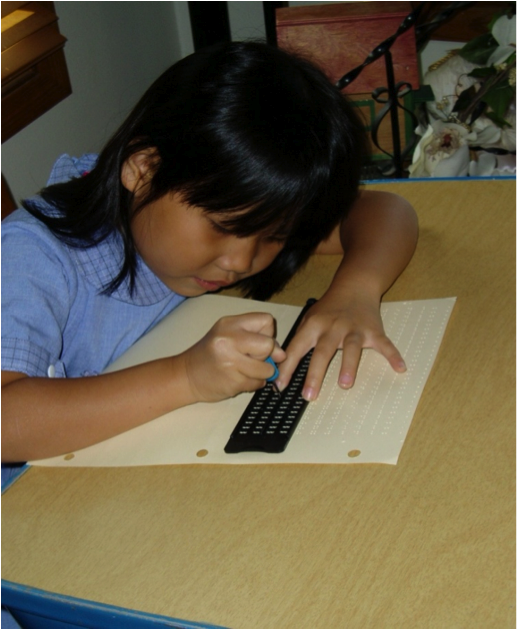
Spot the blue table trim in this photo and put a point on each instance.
(14, 474)
(35, 608)
(439, 179)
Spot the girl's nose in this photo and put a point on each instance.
(239, 254)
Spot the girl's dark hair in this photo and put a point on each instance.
(241, 127)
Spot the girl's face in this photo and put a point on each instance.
(191, 251)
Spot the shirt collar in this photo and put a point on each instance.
(101, 263)
(67, 167)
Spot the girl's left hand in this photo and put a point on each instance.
(337, 322)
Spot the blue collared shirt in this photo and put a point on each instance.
(55, 319)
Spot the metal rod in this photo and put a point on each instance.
(394, 119)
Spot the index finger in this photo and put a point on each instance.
(295, 352)
(322, 356)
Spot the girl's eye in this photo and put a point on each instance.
(220, 229)
(276, 239)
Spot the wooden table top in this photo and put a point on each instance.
(429, 543)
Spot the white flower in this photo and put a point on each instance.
(487, 132)
(488, 135)
(484, 166)
(447, 82)
(508, 140)
(489, 165)
(504, 31)
(443, 151)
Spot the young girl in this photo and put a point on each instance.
(237, 164)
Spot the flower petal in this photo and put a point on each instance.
(487, 132)
(504, 30)
(501, 54)
(484, 166)
(417, 168)
(454, 166)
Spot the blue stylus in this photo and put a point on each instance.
(276, 373)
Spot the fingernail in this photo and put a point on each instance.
(309, 394)
(346, 381)
(402, 365)
(275, 388)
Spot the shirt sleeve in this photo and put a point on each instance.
(37, 293)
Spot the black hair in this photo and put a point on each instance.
(241, 127)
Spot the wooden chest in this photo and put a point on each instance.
(338, 37)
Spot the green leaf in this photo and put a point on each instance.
(479, 109)
(423, 94)
(499, 122)
(499, 98)
(482, 73)
(479, 49)
(465, 99)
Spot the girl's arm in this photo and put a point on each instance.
(43, 417)
(377, 240)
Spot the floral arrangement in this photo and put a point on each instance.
(470, 125)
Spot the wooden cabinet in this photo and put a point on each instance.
(34, 72)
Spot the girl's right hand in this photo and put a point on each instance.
(230, 359)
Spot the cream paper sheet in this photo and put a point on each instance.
(366, 424)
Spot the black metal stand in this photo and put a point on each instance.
(209, 23)
(394, 93)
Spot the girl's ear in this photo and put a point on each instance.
(139, 169)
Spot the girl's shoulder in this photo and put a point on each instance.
(21, 225)
(29, 246)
